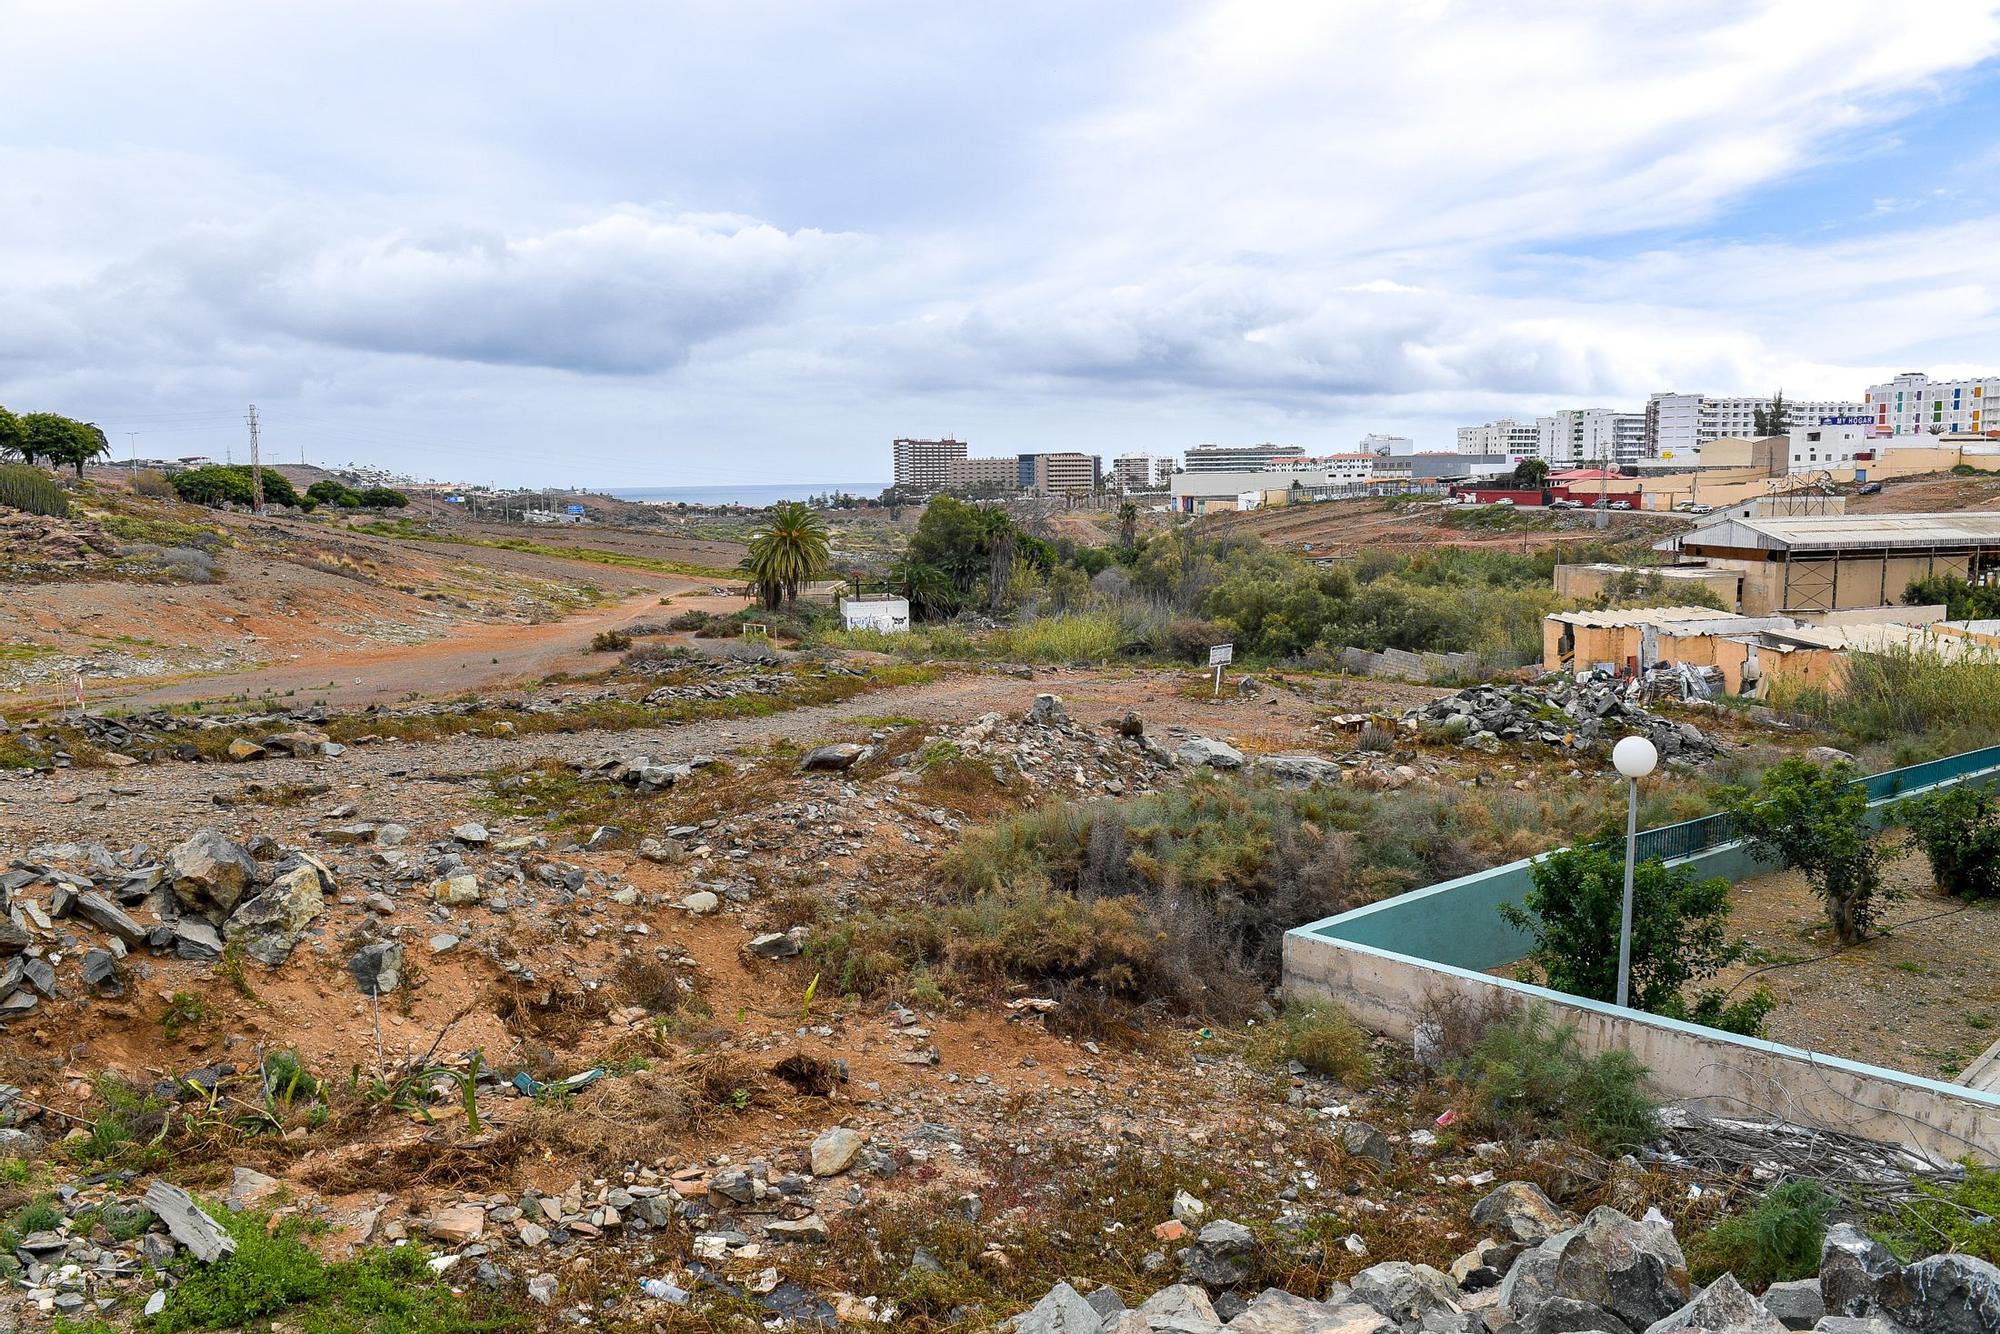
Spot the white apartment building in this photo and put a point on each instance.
(1582, 437)
(924, 465)
(1678, 425)
(1239, 458)
(1915, 404)
(1141, 472)
(1515, 439)
(1812, 448)
(1394, 445)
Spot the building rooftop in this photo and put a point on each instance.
(1628, 616)
(1832, 532)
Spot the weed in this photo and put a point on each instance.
(1963, 1216)
(1528, 1076)
(1320, 1036)
(1777, 1240)
(184, 1010)
(234, 971)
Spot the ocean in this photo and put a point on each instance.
(754, 494)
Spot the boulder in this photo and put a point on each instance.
(1519, 1211)
(1948, 1294)
(1132, 726)
(457, 891)
(241, 750)
(1200, 750)
(1062, 1311)
(377, 969)
(1567, 1315)
(1298, 770)
(701, 903)
(210, 874)
(775, 945)
(107, 916)
(1797, 1304)
(1405, 1292)
(834, 1151)
(1048, 711)
(1531, 1279)
(189, 1223)
(270, 924)
(248, 1188)
(1856, 1272)
(1633, 1269)
(457, 1225)
(1275, 1311)
(472, 833)
(1179, 1307)
(1362, 1140)
(1723, 1307)
(838, 757)
(101, 975)
(1222, 1255)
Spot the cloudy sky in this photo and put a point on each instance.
(688, 243)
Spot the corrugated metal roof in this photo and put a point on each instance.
(1627, 616)
(1831, 532)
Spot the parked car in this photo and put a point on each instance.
(1565, 503)
(1696, 508)
(1504, 500)
(1621, 504)
(1871, 489)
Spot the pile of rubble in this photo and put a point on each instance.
(1558, 711)
(39, 545)
(1539, 1272)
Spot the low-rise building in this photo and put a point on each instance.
(1844, 561)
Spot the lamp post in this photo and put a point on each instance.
(1633, 757)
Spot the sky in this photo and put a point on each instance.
(676, 244)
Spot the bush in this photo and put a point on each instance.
(1320, 1036)
(1963, 1216)
(150, 484)
(226, 484)
(187, 565)
(1815, 820)
(1679, 935)
(1775, 1242)
(610, 641)
(384, 498)
(1959, 831)
(330, 491)
(1527, 1076)
(26, 487)
(1923, 702)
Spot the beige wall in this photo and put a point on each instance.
(1582, 583)
(1851, 582)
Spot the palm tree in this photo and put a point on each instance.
(1128, 524)
(786, 554)
(927, 588)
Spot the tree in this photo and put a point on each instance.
(926, 587)
(222, 484)
(1962, 600)
(1775, 420)
(999, 538)
(330, 491)
(1959, 831)
(1680, 930)
(1128, 524)
(1529, 474)
(12, 435)
(86, 442)
(786, 553)
(1815, 821)
(384, 498)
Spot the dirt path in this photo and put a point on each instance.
(419, 782)
(473, 657)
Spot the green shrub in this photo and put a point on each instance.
(384, 498)
(1071, 638)
(1680, 937)
(330, 491)
(229, 484)
(1963, 1216)
(1319, 1035)
(26, 487)
(1815, 820)
(1959, 831)
(610, 641)
(1920, 701)
(1527, 1076)
(1776, 1241)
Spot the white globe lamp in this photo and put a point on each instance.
(1634, 757)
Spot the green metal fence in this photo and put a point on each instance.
(1690, 838)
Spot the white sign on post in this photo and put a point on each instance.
(1218, 655)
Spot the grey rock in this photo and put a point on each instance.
(1633, 1269)
(835, 1149)
(1298, 770)
(107, 916)
(1567, 1315)
(377, 969)
(838, 757)
(209, 873)
(1106, 1302)
(472, 834)
(188, 1223)
(196, 939)
(1848, 1324)
(1948, 1294)
(1047, 711)
(101, 975)
(1856, 1272)
(1531, 1279)
(1179, 1307)
(1062, 1311)
(774, 945)
(1275, 1311)
(1797, 1304)
(1362, 1140)
(1519, 1211)
(1200, 750)
(270, 924)
(1723, 1307)
(1222, 1255)
(1405, 1292)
